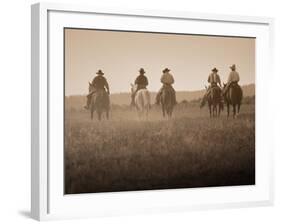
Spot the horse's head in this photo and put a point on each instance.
(204, 99)
(90, 87)
(133, 88)
(203, 102)
(221, 105)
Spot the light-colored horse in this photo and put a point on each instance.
(142, 101)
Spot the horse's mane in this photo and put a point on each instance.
(203, 101)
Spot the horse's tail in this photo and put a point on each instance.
(236, 95)
(142, 99)
(241, 94)
(146, 99)
(102, 100)
(168, 97)
(215, 95)
(221, 105)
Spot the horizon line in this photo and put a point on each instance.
(111, 93)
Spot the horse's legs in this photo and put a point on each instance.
(238, 109)
(145, 115)
(107, 114)
(146, 112)
(139, 114)
(215, 111)
(92, 114)
(227, 109)
(142, 114)
(163, 110)
(171, 112)
(210, 110)
(99, 114)
(234, 110)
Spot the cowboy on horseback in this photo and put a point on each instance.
(232, 92)
(141, 82)
(99, 83)
(167, 80)
(233, 78)
(214, 80)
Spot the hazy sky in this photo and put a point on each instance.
(121, 54)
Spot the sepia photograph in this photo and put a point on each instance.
(155, 111)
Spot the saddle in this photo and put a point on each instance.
(168, 87)
(215, 87)
(214, 84)
(234, 84)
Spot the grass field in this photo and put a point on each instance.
(190, 150)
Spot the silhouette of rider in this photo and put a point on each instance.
(233, 78)
(214, 80)
(99, 83)
(141, 82)
(167, 80)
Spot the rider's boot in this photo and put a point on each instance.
(88, 103)
(157, 100)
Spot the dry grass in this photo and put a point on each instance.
(190, 150)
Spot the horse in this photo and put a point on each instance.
(167, 101)
(142, 101)
(99, 102)
(214, 99)
(233, 96)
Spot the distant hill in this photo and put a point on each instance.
(78, 101)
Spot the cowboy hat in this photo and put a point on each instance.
(142, 71)
(215, 69)
(166, 70)
(99, 72)
(232, 66)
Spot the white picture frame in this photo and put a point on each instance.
(47, 199)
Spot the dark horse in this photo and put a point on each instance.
(233, 96)
(214, 99)
(167, 101)
(99, 102)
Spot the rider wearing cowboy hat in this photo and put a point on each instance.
(233, 78)
(167, 80)
(99, 83)
(214, 80)
(141, 82)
